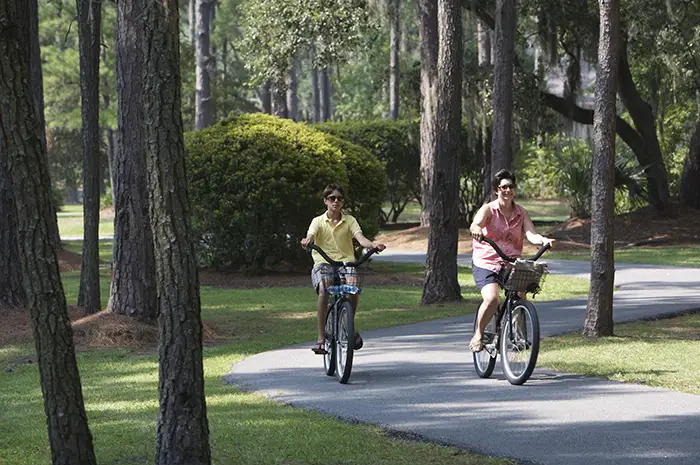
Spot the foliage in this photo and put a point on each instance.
(256, 182)
(278, 31)
(397, 144)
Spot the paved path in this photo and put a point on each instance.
(419, 379)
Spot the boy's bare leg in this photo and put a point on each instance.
(321, 312)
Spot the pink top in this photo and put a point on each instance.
(507, 233)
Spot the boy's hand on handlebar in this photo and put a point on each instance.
(476, 232)
(379, 247)
(305, 242)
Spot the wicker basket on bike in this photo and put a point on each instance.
(525, 276)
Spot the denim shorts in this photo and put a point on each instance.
(482, 276)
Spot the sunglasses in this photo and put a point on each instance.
(333, 198)
(505, 187)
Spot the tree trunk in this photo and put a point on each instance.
(21, 136)
(11, 291)
(182, 432)
(483, 43)
(279, 102)
(292, 86)
(394, 68)
(428, 32)
(89, 18)
(690, 178)
(37, 84)
(440, 284)
(265, 98)
(501, 145)
(326, 97)
(315, 87)
(204, 104)
(191, 21)
(599, 312)
(133, 290)
(643, 118)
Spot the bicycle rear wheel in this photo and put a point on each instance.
(485, 360)
(344, 342)
(520, 342)
(329, 357)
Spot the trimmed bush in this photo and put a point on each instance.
(255, 183)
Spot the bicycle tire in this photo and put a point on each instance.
(329, 356)
(519, 353)
(484, 361)
(344, 342)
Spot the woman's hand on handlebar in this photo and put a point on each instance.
(548, 241)
(477, 232)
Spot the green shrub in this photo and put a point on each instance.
(397, 144)
(256, 182)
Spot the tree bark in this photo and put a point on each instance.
(292, 86)
(690, 178)
(21, 135)
(483, 41)
(279, 102)
(394, 68)
(182, 432)
(204, 104)
(504, 55)
(89, 18)
(428, 32)
(599, 311)
(265, 98)
(315, 86)
(133, 289)
(440, 284)
(191, 21)
(644, 122)
(11, 291)
(326, 98)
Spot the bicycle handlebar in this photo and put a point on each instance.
(359, 262)
(505, 257)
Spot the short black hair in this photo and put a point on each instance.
(332, 187)
(500, 176)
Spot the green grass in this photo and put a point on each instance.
(120, 388)
(105, 249)
(666, 256)
(546, 210)
(70, 222)
(653, 353)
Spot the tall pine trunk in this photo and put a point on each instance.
(394, 46)
(21, 133)
(428, 32)
(599, 312)
(89, 18)
(133, 290)
(315, 86)
(292, 87)
(690, 178)
(204, 104)
(440, 284)
(504, 50)
(326, 94)
(182, 432)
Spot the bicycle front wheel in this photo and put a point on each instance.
(520, 342)
(485, 360)
(329, 357)
(344, 342)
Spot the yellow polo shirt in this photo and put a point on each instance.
(336, 240)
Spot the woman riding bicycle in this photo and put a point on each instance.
(333, 231)
(505, 223)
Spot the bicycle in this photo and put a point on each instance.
(340, 319)
(514, 330)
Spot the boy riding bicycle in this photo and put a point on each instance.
(333, 231)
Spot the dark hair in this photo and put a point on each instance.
(332, 187)
(500, 176)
